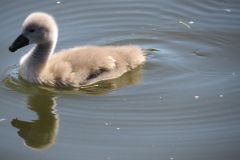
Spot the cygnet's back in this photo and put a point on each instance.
(90, 64)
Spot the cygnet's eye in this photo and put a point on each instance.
(31, 30)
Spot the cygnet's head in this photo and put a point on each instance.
(38, 28)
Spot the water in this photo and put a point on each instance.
(183, 104)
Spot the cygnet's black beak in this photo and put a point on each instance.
(20, 42)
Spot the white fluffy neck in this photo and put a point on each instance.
(35, 60)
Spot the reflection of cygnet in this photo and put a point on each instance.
(40, 133)
(74, 67)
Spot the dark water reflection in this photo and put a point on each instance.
(183, 104)
(40, 133)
